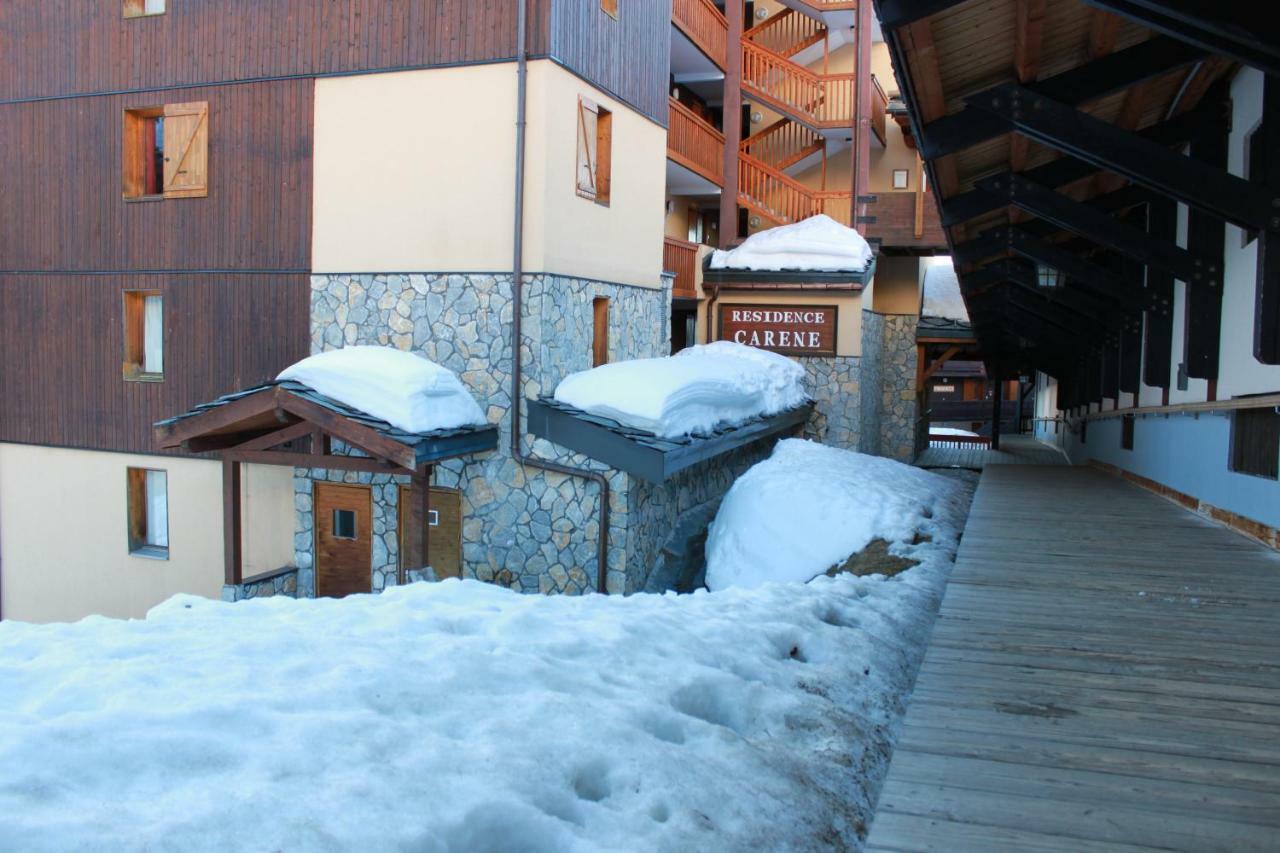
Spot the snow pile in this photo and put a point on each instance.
(401, 388)
(937, 430)
(808, 507)
(694, 391)
(942, 294)
(818, 243)
(460, 716)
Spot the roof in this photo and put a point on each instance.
(221, 423)
(941, 327)
(644, 454)
(794, 280)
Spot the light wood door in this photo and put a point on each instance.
(444, 536)
(344, 539)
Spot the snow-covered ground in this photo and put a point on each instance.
(458, 716)
(694, 391)
(818, 244)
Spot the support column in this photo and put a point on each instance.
(997, 397)
(732, 123)
(231, 523)
(861, 147)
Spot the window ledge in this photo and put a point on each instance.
(150, 552)
(137, 198)
(139, 376)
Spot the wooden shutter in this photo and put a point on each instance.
(444, 538)
(604, 155)
(588, 114)
(186, 150)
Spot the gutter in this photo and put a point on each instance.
(517, 304)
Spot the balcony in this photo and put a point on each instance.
(907, 220)
(702, 22)
(694, 143)
(681, 258)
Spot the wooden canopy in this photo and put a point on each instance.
(288, 423)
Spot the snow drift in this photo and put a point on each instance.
(404, 389)
(694, 391)
(809, 506)
(942, 296)
(818, 244)
(460, 716)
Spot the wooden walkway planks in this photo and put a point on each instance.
(1104, 675)
(1014, 450)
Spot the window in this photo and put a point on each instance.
(344, 524)
(1126, 432)
(900, 180)
(143, 336)
(1255, 442)
(143, 8)
(148, 502)
(1047, 276)
(610, 8)
(166, 151)
(600, 335)
(595, 141)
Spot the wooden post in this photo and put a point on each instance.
(997, 396)
(918, 230)
(231, 523)
(860, 149)
(732, 123)
(424, 529)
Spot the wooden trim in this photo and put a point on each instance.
(338, 426)
(232, 533)
(705, 26)
(173, 435)
(600, 331)
(276, 438)
(1264, 401)
(312, 460)
(271, 574)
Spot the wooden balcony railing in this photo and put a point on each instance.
(702, 22)
(681, 258)
(879, 109)
(694, 144)
(829, 5)
(783, 200)
(906, 219)
(782, 144)
(787, 33)
(824, 100)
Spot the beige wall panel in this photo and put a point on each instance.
(415, 170)
(848, 315)
(896, 289)
(64, 547)
(570, 235)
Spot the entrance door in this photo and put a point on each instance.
(344, 539)
(444, 535)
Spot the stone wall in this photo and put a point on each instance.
(888, 393)
(285, 582)
(835, 384)
(869, 394)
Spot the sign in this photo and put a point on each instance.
(788, 329)
(945, 389)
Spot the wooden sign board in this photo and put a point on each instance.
(803, 330)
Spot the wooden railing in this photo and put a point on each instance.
(782, 144)
(681, 258)
(787, 33)
(702, 22)
(879, 109)
(825, 100)
(829, 5)
(694, 144)
(783, 200)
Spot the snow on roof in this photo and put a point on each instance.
(402, 388)
(942, 294)
(808, 507)
(695, 391)
(818, 244)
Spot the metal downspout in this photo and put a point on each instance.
(517, 300)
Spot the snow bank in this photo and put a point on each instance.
(809, 506)
(459, 716)
(401, 388)
(942, 294)
(936, 430)
(693, 391)
(818, 243)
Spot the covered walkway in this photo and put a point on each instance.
(1104, 675)
(1014, 450)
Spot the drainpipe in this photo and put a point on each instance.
(517, 304)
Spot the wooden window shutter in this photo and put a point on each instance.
(604, 155)
(588, 114)
(186, 150)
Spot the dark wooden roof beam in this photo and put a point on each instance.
(893, 14)
(1081, 270)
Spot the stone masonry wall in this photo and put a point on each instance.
(899, 409)
(835, 384)
(872, 382)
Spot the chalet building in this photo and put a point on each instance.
(211, 192)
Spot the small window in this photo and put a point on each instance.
(143, 8)
(143, 336)
(900, 179)
(1047, 276)
(600, 336)
(1255, 442)
(344, 524)
(148, 503)
(610, 8)
(1126, 432)
(166, 152)
(595, 142)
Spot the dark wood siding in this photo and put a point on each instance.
(629, 57)
(60, 164)
(62, 384)
(65, 47)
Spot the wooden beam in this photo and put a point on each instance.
(1266, 317)
(172, 435)
(367, 439)
(1207, 239)
(732, 124)
(1103, 29)
(232, 538)
(917, 44)
(1028, 31)
(947, 354)
(311, 460)
(280, 436)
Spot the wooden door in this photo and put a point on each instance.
(444, 536)
(344, 539)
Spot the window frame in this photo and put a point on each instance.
(138, 9)
(135, 336)
(193, 153)
(1236, 461)
(139, 535)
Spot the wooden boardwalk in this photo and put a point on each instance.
(1104, 675)
(1014, 450)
